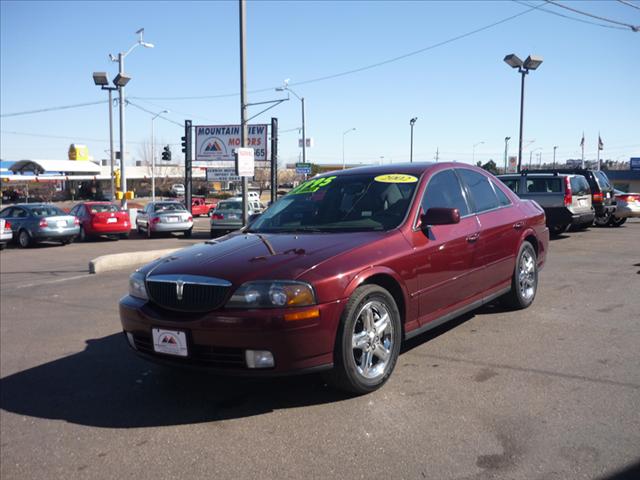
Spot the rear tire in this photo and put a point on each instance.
(617, 222)
(524, 283)
(602, 221)
(24, 239)
(368, 341)
(558, 229)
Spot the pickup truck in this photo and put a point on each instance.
(200, 206)
(565, 198)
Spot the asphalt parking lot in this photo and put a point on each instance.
(552, 392)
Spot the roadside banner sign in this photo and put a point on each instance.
(634, 163)
(224, 174)
(245, 165)
(303, 168)
(217, 144)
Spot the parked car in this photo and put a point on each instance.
(199, 206)
(227, 215)
(338, 273)
(164, 217)
(601, 192)
(565, 198)
(101, 219)
(177, 189)
(40, 222)
(5, 233)
(627, 206)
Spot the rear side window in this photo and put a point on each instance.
(502, 197)
(444, 191)
(603, 181)
(580, 186)
(512, 183)
(482, 194)
(544, 185)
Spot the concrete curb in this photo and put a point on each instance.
(117, 261)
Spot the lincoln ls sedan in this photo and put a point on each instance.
(338, 273)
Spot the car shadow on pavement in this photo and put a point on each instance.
(106, 385)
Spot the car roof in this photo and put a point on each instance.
(415, 168)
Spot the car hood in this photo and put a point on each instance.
(244, 257)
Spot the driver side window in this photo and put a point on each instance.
(444, 191)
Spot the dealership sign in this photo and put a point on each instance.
(218, 143)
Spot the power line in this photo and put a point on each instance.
(53, 109)
(635, 28)
(629, 4)
(360, 69)
(581, 20)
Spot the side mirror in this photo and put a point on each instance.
(440, 216)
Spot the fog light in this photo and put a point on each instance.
(131, 342)
(259, 358)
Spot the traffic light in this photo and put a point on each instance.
(184, 144)
(166, 154)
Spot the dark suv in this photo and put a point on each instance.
(602, 195)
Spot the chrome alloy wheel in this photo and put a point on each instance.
(527, 275)
(372, 340)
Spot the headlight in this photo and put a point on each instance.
(136, 286)
(273, 294)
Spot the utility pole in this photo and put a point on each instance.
(243, 109)
(274, 159)
(554, 155)
(437, 154)
(506, 148)
(123, 176)
(187, 164)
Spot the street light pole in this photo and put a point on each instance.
(153, 157)
(243, 108)
(473, 154)
(412, 122)
(554, 155)
(531, 155)
(343, 135)
(506, 148)
(531, 63)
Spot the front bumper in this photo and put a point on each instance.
(217, 341)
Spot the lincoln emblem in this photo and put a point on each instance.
(179, 289)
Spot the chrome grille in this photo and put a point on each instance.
(187, 293)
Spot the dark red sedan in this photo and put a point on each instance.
(101, 219)
(339, 272)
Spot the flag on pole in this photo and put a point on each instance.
(600, 144)
(582, 141)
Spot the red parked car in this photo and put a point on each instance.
(339, 272)
(101, 219)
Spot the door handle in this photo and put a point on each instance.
(518, 225)
(472, 238)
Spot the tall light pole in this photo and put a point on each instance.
(554, 155)
(531, 63)
(412, 122)
(343, 135)
(506, 149)
(304, 134)
(473, 154)
(153, 157)
(539, 160)
(120, 81)
(100, 79)
(531, 155)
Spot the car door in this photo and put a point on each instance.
(500, 224)
(443, 254)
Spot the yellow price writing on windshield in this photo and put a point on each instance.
(396, 178)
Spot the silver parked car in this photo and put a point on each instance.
(5, 233)
(40, 222)
(627, 206)
(227, 215)
(164, 217)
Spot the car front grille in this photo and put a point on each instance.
(187, 293)
(200, 355)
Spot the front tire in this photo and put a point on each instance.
(617, 222)
(524, 283)
(368, 341)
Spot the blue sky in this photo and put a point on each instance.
(461, 92)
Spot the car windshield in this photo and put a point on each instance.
(229, 206)
(103, 207)
(46, 211)
(167, 207)
(343, 203)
